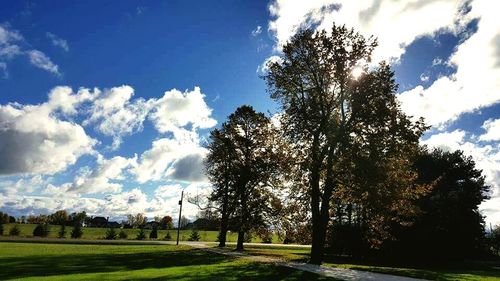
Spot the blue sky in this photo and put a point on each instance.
(105, 107)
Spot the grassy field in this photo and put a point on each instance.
(100, 233)
(456, 272)
(34, 261)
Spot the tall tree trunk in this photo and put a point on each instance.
(241, 238)
(223, 230)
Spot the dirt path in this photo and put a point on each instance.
(338, 273)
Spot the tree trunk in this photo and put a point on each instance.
(318, 239)
(223, 231)
(241, 238)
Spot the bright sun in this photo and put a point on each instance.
(356, 72)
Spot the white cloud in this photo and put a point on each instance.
(476, 82)
(116, 115)
(57, 41)
(492, 128)
(40, 60)
(487, 158)
(257, 31)
(393, 22)
(264, 67)
(103, 179)
(35, 140)
(178, 158)
(176, 109)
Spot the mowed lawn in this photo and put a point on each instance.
(477, 271)
(99, 233)
(36, 261)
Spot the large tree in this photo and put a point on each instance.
(330, 114)
(241, 165)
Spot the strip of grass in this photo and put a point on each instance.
(100, 233)
(32, 261)
(460, 272)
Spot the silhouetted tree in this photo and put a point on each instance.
(450, 225)
(327, 118)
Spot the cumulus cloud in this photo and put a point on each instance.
(103, 179)
(176, 109)
(393, 22)
(492, 127)
(487, 158)
(116, 115)
(178, 158)
(57, 41)
(476, 82)
(35, 140)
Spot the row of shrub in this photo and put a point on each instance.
(42, 230)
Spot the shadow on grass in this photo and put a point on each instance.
(247, 272)
(18, 267)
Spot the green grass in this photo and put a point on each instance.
(457, 272)
(35, 261)
(100, 233)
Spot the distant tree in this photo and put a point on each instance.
(77, 231)
(194, 236)
(328, 113)
(79, 218)
(166, 222)
(62, 231)
(137, 221)
(184, 222)
(495, 240)
(12, 219)
(111, 234)
(450, 224)
(141, 235)
(154, 233)
(122, 234)
(59, 217)
(1, 228)
(4, 218)
(41, 230)
(15, 231)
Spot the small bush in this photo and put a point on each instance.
(41, 230)
(62, 232)
(15, 231)
(77, 231)
(168, 237)
(195, 236)
(111, 234)
(141, 235)
(154, 233)
(122, 234)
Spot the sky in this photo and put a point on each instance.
(106, 107)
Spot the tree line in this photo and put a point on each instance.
(341, 166)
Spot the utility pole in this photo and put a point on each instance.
(180, 212)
